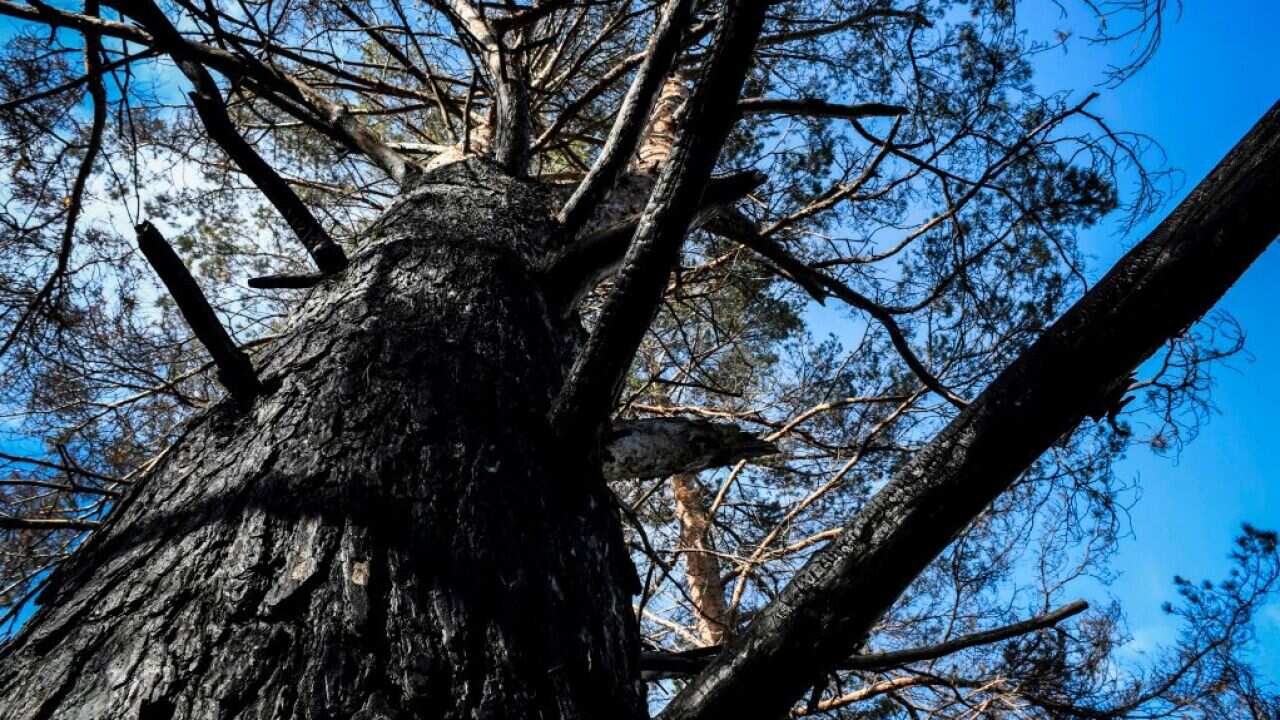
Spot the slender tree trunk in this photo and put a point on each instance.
(702, 565)
(387, 533)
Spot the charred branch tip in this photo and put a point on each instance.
(235, 371)
(730, 188)
(658, 664)
(272, 282)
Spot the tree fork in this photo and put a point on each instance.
(626, 132)
(597, 373)
(1154, 292)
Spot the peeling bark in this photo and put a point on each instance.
(628, 133)
(629, 194)
(702, 565)
(389, 533)
(664, 125)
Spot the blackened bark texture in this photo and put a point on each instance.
(386, 533)
(1154, 292)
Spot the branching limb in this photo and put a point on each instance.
(1165, 283)
(337, 121)
(235, 371)
(735, 226)
(611, 76)
(887, 660)
(75, 201)
(693, 661)
(60, 467)
(589, 393)
(212, 110)
(511, 92)
(632, 116)
(286, 91)
(77, 82)
(818, 284)
(425, 75)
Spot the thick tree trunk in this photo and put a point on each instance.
(386, 533)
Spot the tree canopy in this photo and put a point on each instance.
(891, 219)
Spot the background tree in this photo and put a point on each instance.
(520, 315)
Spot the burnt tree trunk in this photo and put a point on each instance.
(387, 532)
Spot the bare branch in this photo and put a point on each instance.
(274, 83)
(49, 524)
(693, 661)
(898, 658)
(740, 229)
(656, 447)
(1165, 283)
(589, 393)
(212, 110)
(60, 467)
(234, 369)
(632, 115)
(816, 107)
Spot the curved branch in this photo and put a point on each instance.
(75, 201)
(818, 284)
(897, 658)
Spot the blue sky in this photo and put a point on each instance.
(1216, 72)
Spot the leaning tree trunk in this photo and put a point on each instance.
(389, 532)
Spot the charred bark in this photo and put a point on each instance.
(386, 533)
